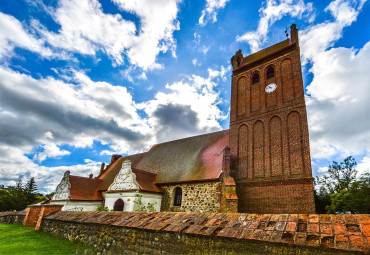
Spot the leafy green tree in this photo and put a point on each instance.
(19, 196)
(339, 191)
(6, 200)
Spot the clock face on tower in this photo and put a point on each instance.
(270, 88)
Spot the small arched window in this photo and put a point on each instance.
(118, 205)
(178, 197)
(255, 78)
(270, 72)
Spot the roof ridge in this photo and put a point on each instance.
(224, 130)
(136, 169)
(88, 178)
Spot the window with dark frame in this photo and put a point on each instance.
(255, 78)
(178, 197)
(270, 72)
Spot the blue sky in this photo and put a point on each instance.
(82, 79)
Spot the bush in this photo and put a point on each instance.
(102, 208)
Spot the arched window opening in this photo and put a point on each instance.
(255, 78)
(178, 197)
(270, 72)
(118, 205)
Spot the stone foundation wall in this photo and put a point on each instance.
(196, 197)
(210, 233)
(12, 217)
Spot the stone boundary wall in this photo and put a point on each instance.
(12, 217)
(213, 233)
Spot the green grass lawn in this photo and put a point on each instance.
(17, 239)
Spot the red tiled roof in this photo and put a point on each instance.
(146, 181)
(197, 158)
(83, 188)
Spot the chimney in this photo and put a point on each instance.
(102, 168)
(294, 34)
(114, 158)
(91, 176)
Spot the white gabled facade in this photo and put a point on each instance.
(126, 188)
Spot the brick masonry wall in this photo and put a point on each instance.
(196, 197)
(213, 233)
(32, 215)
(269, 137)
(45, 211)
(283, 196)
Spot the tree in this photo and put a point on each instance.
(18, 197)
(339, 191)
(31, 186)
(30, 189)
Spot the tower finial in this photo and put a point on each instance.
(286, 32)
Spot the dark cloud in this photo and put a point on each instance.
(34, 117)
(176, 121)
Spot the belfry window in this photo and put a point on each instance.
(178, 197)
(270, 72)
(255, 78)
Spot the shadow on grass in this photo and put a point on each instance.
(17, 239)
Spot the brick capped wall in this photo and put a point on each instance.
(45, 211)
(213, 233)
(196, 197)
(32, 215)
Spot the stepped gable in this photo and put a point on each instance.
(113, 169)
(83, 188)
(265, 53)
(197, 158)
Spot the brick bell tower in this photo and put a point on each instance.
(268, 131)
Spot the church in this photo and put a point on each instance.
(261, 164)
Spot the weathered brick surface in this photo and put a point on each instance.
(269, 133)
(45, 211)
(32, 215)
(209, 233)
(280, 196)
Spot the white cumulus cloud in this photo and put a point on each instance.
(337, 103)
(272, 12)
(209, 13)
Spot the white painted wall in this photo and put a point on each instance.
(129, 197)
(72, 205)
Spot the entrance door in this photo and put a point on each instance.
(118, 205)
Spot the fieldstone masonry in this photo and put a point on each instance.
(12, 217)
(196, 197)
(212, 196)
